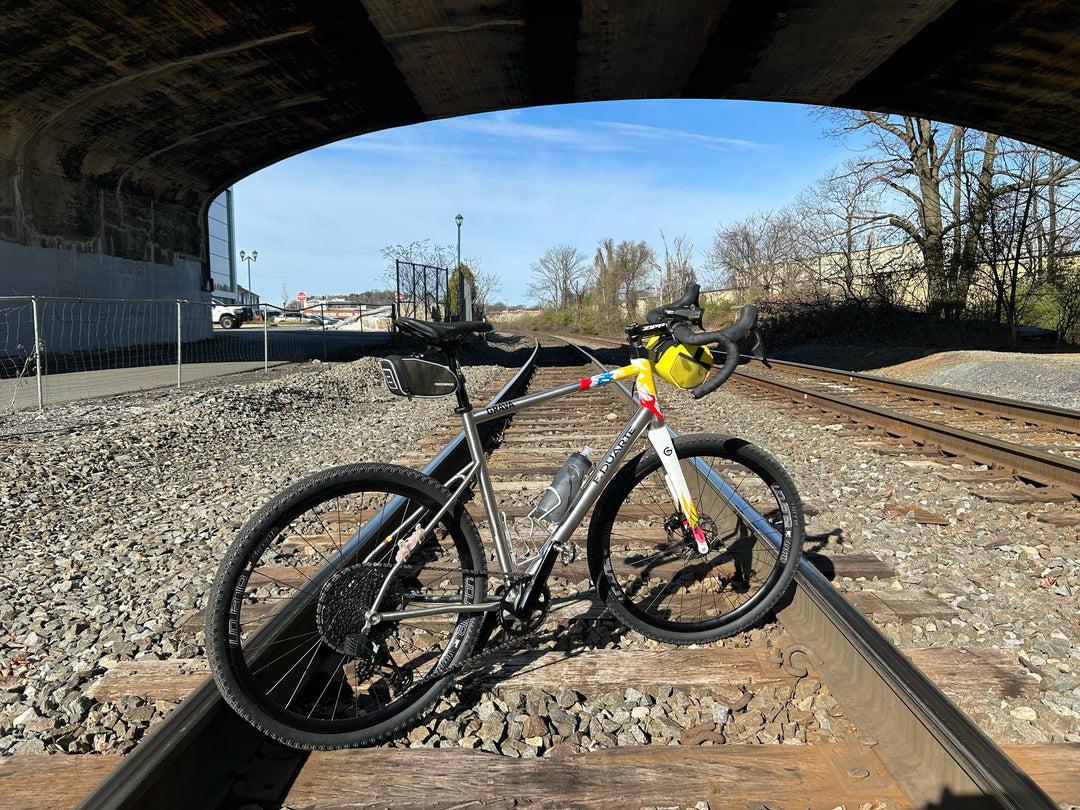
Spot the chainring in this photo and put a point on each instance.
(515, 625)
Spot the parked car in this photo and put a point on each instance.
(231, 316)
(319, 320)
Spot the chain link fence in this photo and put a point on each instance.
(61, 349)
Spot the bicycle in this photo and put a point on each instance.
(350, 601)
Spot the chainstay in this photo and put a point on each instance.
(476, 657)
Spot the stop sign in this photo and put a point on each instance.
(301, 296)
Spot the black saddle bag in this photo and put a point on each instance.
(415, 377)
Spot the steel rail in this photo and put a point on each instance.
(1027, 412)
(1038, 465)
(937, 754)
(984, 404)
(934, 751)
(171, 769)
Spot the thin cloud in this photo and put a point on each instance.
(479, 135)
(502, 128)
(507, 130)
(391, 144)
(524, 180)
(646, 132)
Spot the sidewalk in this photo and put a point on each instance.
(20, 395)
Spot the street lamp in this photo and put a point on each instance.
(249, 259)
(461, 277)
(459, 219)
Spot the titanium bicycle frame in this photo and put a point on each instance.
(647, 420)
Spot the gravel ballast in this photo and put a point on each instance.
(1048, 379)
(116, 515)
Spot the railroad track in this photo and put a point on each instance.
(915, 748)
(1036, 443)
(1022, 441)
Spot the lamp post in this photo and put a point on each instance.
(249, 259)
(461, 278)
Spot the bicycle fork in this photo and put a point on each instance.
(660, 439)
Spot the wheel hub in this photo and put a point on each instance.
(677, 528)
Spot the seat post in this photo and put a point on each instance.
(451, 352)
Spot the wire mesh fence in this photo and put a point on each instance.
(423, 291)
(62, 349)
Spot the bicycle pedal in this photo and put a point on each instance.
(568, 552)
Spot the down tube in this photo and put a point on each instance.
(599, 477)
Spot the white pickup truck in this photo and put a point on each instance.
(230, 316)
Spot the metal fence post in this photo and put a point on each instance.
(322, 323)
(179, 340)
(266, 339)
(37, 354)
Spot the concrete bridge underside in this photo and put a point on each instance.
(119, 121)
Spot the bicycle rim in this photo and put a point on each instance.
(299, 663)
(649, 568)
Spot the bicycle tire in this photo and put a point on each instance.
(286, 610)
(646, 567)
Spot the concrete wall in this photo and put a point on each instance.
(73, 274)
(68, 274)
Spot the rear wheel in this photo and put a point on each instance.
(286, 633)
(646, 563)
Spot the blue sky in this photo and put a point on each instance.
(524, 180)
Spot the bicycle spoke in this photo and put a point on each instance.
(655, 565)
(322, 566)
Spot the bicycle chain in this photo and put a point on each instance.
(512, 641)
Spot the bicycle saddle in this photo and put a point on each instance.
(442, 333)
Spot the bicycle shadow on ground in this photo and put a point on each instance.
(560, 638)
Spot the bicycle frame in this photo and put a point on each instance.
(647, 420)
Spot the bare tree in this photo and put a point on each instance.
(908, 155)
(677, 270)
(944, 180)
(1064, 296)
(485, 285)
(559, 277)
(618, 275)
(762, 254)
(1031, 225)
(839, 226)
(420, 252)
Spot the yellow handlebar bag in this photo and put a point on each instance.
(681, 365)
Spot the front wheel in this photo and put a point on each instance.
(288, 630)
(647, 566)
(228, 322)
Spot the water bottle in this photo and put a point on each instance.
(557, 499)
